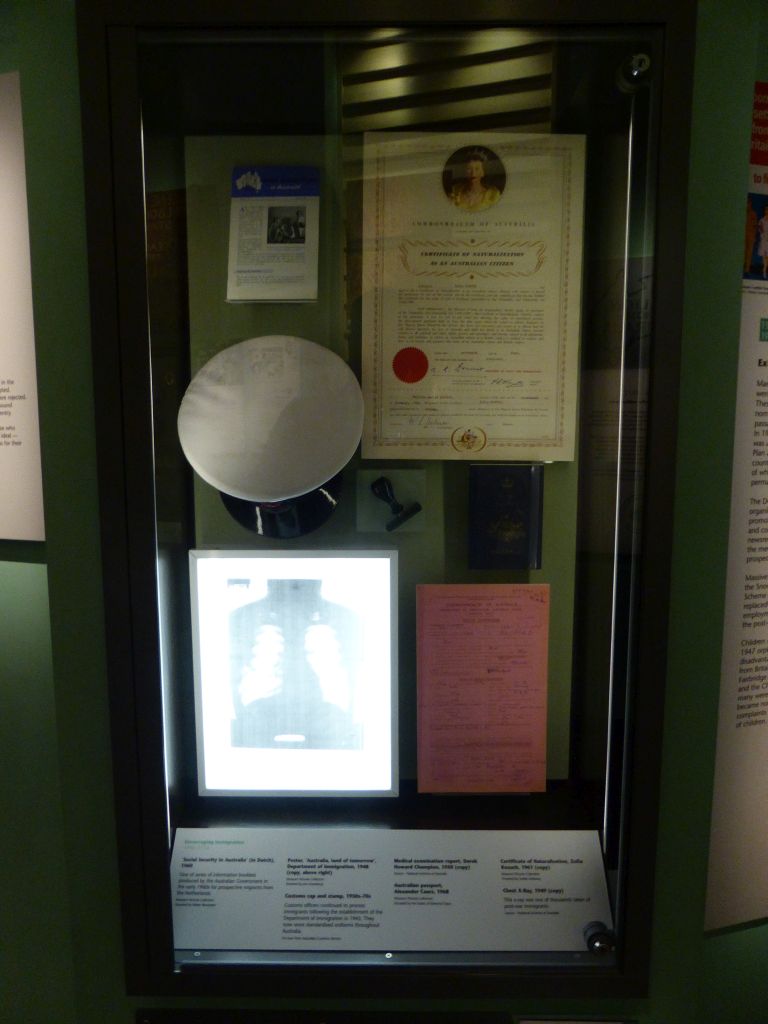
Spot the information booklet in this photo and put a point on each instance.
(273, 234)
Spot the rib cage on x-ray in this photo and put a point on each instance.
(294, 670)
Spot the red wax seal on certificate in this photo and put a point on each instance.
(410, 365)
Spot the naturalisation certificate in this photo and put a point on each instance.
(471, 288)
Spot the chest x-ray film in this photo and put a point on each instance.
(294, 662)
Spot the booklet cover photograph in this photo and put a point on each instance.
(293, 664)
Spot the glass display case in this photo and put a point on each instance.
(386, 314)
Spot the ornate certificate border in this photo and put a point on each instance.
(471, 294)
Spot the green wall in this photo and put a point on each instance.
(35, 973)
(36, 980)
(62, 962)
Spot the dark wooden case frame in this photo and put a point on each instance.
(107, 34)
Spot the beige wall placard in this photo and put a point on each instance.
(21, 510)
(737, 889)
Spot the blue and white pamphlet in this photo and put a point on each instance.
(273, 234)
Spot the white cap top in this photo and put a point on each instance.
(271, 418)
